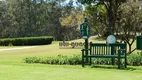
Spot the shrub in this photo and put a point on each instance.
(133, 60)
(32, 60)
(60, 60)
(26, 41)
(104, 61)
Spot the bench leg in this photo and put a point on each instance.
(119, 63)
(90, 61)
(83, 61)
(112, 61)
(125, 62)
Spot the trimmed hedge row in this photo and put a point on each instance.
(26, 41)
(133, 60)
(60, 60)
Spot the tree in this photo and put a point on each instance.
(124, 17)
(111, 8)
(3, 12)
(97, 18)
(71, 23)
(130, 23)
(22, 18)
(9, 25)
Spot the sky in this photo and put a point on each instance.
(74, 3)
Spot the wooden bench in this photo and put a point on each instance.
(102, 50)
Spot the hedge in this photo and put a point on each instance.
(23, 41)
(133, 60)
(59, 59)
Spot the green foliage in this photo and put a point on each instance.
(86, 1)
(26, 41)
(60, 60)
(102, 61)
(130, 22)
(32, 60)
(133, 60)
(22, 18)
(121, 17)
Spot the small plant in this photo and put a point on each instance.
(32, 60)
(104, 61)
(135, 59)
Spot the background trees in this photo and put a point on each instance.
(21, 18)
(130, 22)
(121, 17)
(106, 11)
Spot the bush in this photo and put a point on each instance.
(104, 61)
(133, 60)
(32, 60)
(60, 60)
(26, 41)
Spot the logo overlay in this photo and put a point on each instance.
(71, 45)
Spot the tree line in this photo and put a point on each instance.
(23, 18)
(57, 18)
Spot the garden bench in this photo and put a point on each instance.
(102, 50)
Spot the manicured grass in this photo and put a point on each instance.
(65, 72)
(44, 50)
(13, 68)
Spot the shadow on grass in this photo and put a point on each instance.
(113, 67)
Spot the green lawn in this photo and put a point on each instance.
(65, 72)
(13, 68)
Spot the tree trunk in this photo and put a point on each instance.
(130, 48)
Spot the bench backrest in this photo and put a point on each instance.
(105, 49)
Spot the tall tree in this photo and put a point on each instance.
(3, 12)
(121, 17)
(111, 8)
(130, 23)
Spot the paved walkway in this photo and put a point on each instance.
(9, 49)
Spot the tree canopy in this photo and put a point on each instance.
(119, 17)
(22, 18)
